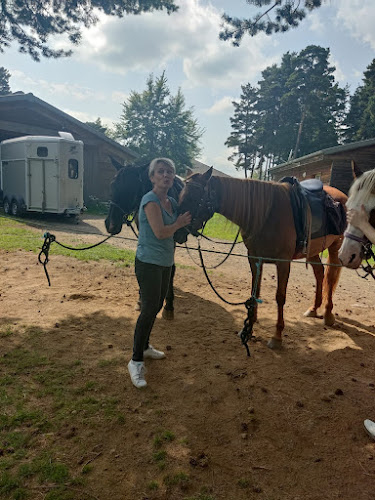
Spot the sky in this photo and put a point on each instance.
(117, 56)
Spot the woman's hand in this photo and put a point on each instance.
(183, 220)
(358, 218)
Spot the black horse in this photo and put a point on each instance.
(127, 189)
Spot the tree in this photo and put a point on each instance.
(30, 23)
(97, 125)
(360, 121)
(242, 137)
(156, 124)
(4, 81)
(301, 107)
(286, 14)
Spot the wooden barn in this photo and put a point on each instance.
(336, 166)
(24, 114)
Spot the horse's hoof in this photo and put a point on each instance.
(274, 343)
(329, 319)
(168, 315)
(310, 313)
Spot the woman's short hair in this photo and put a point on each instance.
(156, 161)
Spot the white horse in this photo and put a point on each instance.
(362, 192)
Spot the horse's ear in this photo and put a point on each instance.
(116, 163)
(207, 175)
(357, 172)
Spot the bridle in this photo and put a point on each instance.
(207, 202)
(367, 253)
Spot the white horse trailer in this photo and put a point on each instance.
(42, 174)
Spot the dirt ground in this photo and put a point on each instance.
(284, 425)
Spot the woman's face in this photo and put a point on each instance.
(163, 176)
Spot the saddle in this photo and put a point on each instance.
(327, 215)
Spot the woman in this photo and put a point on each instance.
(158, 221)
(359, 219)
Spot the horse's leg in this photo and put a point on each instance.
(256, 279)
(318, 269)
(168, 311)
(283, 270)
(331, 279)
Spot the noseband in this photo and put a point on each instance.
(125, 215)
(367, 253)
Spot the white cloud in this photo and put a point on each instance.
(151, 42)
(358, 18)
(34, 85)
(224, 105)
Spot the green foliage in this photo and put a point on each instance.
(98, 126)
(360, 121)
(4, 80)
(29, 24)
(297, 109)
(156, 124)
(286, 14)
(242, 137)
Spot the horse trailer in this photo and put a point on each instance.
(42, 174)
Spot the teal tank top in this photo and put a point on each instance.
(150, 249)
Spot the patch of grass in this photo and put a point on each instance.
(6, 332)
(201, 496)
(243, 483)
(86, 469)
(16, 236)
(178, 478)
(163, 437)
(221, 228)
(153, 486)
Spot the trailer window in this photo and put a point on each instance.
(73, 169)
(42, 151)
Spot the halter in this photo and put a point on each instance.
(125, 216)
(367, 253)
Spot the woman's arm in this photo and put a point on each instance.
(359, 219)
(155, 219)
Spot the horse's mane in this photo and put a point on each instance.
(362, 189)
(248, 202)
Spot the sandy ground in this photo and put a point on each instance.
(284, 425)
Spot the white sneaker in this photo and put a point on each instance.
(137, 373)
(152, 353)
(370, 428)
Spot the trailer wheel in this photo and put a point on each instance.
(15, 208)
(6, 206)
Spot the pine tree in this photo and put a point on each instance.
(287, 14)
(97, 125)
(242, 137)
(361, 117)
(156, 124)
(4, 81)
(30, 23)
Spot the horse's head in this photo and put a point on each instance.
(362, 192)
(197, 199)
(127, 189)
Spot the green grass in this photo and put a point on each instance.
(16, 236)
(39, 395)
(221, 228)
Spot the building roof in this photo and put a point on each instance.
(41, 119)
(324, 153)
(201, 168)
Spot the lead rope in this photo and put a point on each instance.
(50, 238)
(247, 331)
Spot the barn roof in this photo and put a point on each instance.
(26, 114)
(366, 148)
(201, 168)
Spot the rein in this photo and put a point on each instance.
(367, 254)
(246, 333)
(50, 238)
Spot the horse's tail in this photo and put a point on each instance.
(332, 273)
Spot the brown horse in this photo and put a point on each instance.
(262, 209)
